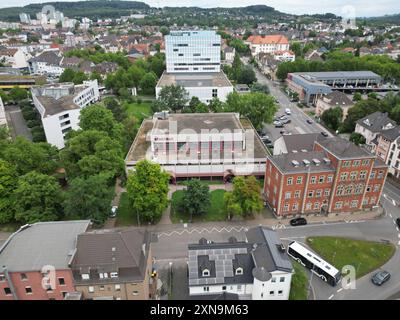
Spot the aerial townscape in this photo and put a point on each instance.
(153, 152)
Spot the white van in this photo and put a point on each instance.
(287, 111)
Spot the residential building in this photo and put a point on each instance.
(14, 58)
(229, 54)
(46, 63)
(219, 145)
(372, 125)
(59, 106)
(331, 175)
(114, 265)
(205, 86)
(388, 149)
(312, 85)
(267, 44)
(256, 269)
(193, 51)
(333, 100)
(34, 261)
(284, 56)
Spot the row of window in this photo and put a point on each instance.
(313, 179)
(356, 163)
(117, 287)
(311, 194)
(309, 206)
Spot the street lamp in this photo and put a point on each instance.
(170, 277)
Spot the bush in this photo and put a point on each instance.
(33, 123)
(30, 115)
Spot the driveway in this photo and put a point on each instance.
(17, 122)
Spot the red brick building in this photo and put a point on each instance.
(29, 253)
(333, 176)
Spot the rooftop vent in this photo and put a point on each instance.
(303, 150)
(294, 151)
(316, 162)
(306, 162)
(281, 247)
(295, 163)
(327, 161)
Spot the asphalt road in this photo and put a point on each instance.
(298, 118)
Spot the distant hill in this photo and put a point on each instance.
(91, 9)
(384, 20)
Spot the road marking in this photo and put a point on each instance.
(202, 230)
(397, 228)
(340, 290)
(394, 202)
(300, 130)
(394, 222)
(331, 297)
(390, 215)
(398, 235)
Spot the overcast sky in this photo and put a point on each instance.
(360, 7)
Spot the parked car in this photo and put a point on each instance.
(398, 222)
(286, 133)
(270, 145)
(287, 111)
(309, 121)
(266, 140)
(286, 121)
(380, 277)
(113, 213)
(283, 117)
(298, 222)
(324, 134)
(278, 125)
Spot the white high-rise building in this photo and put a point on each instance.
(24, 18)
(193, 51)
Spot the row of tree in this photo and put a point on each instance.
(239, 72)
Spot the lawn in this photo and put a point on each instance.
(139, 111)
(125, 216)
(299, 285)
(215, 212)
(365, 256)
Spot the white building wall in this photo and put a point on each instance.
(193, 51)
(205, 94)
(270, 290)
(240, 289)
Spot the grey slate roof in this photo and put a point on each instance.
(40, 244)
(111, 251)
(377, 122)
(391, 134)
(338, 98)
(344, 149)
(50, 57)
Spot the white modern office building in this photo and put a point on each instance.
(193, 51)
(59, 106)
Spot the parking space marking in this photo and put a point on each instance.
(340, 290)
(331, 297)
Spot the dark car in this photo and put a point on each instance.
(398, 222)
(298, 222)
(380, 278)
(279, 125)
(324, 134)
(286, 121)
(266, 141)
(309, 121)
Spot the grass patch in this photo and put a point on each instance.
(139, 111)
(365, 256)
(215, 212)
(299, 285)
(10, 227)
(125, 215)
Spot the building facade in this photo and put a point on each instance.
(255, 269)
(267, 44)
(335, 176)
(59, 106)
(333, 100)
(34, 261)
(193, 51)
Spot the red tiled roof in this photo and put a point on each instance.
(274, 39)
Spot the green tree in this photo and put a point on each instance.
(67, 75)
(147, 189)
(333, 117)
(17, 94)
(164, 30)
(115, 107)
(357, 96)
(79, 77)
(89, 198)
(148, 83)
(92, 152)
(8, 182)
(172, 98)
(246, 75)
(196, 198)
(96, 117)
(258, 107)
(245, 199)
(37, 198)
(357, 138)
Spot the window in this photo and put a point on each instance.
(273, 279)
(28, 290)
(206, 273)
(363, 175)
(117, 287)
(61, 281)
(64, 293)
(380, 175)
(372, 176)
(297, 194)
(282, 279)
(349, 189)
(288, 195)
(311, 193)
(2, 277)
(24, 276)
(318, 193)
(330, 179)
(338, 205)
(343, 176)
(299, 180)
(346, 164)
(373, 200)
(377, 187)
(321, 179)
(206, 288)
(271, 293)
(354, 204)
(313, 179)
(91, 289)
(239, 287)
(135, 293)
(365, 162)
(340, 190)
(353, 175)
(356, 163)
(308, 206)
(358, 189)
(223, 288)
(85, 276)
(214, 93)
(280, 292)
(101, 288)
(286, 208)
(114, 275)
(316, 205)
(365, 201)
(368, 188)
(327, 192)
(295, 207)
(289, 181)
(239, 271)
(7, 291)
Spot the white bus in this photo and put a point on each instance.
(316, 264)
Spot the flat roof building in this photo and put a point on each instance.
(199, 145)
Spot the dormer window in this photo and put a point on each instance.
(85, 276)
(239, 271)
(206, 273)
